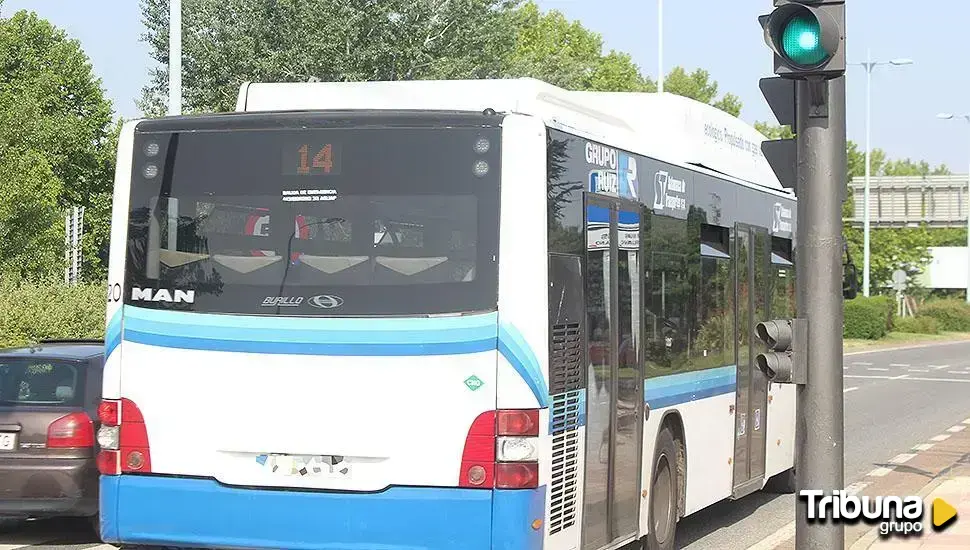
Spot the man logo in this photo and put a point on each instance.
(326, 301)
(162, 295)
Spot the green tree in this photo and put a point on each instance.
(227, 42)
(563, 53)
(55, 139)
(699, 86)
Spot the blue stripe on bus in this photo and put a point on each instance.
(514, 348)
(332, 336)
(171, 511)
(112, 334)
(666, 391)
(597, 214)
(629, 218)
(311, 336)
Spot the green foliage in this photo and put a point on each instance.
(865, 318)
(952, 315)
(55, 143)
(888, 306)
(699, 86)
(33, 311)
(227, 42)
(918, 325)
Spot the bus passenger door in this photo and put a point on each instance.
(753, 253)
(614, 414)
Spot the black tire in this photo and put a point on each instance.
(664, 495)
(783, 483)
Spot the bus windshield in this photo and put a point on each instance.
(332, 221)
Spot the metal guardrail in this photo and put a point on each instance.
(901, 201)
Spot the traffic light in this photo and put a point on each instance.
(786, 339)
(807, 37)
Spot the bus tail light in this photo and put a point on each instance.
(517, 475)
(123, 438)
(502, 451)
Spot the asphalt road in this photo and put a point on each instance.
(893, 401)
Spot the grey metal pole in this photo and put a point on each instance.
(865, 230)
(819, 433)
(175, 58)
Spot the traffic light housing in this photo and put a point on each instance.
(807, 38)
(785, 361)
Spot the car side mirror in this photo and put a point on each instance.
(850, 281)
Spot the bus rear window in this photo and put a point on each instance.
(399, 221)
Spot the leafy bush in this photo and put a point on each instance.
(888, 304)
(918, 325)
(952, 315)
(865, 318)
(30, 312)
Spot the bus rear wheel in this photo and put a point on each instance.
(664, 488)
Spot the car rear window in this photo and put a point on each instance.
(40, 382)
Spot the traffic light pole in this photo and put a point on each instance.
(819, 434)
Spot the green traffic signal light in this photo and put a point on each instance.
(801, 41)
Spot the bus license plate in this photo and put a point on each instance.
(8, 441)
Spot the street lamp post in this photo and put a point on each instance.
(175, 58)
(869, 65)
(660, 46)
(948, 116)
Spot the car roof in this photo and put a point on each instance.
(57, 349)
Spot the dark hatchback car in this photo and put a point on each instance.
(49, 396)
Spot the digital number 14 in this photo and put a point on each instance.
(323, 159)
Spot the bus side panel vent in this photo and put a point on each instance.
(566, 414)
(566, 358)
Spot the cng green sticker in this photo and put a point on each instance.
(473, 382)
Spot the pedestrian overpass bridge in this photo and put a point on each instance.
(906, 201)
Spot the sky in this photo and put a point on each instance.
(722, 37)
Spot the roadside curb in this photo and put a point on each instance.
(914, 346)
(945, 444)
(872, 535)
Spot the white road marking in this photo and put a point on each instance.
(957, 372)
(865, 363)
(880, 472)
(902, 458)
(878, 369)
(923, 447)
(907, 377)
(898, 364)
(27, 542)
(956, 429)
(780, 536)
(967, 421)
(787, 532)
(939, 438)
(938, 367)
(847, 390)
(919, 370)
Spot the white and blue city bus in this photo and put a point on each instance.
(458, 315)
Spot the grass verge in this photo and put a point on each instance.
(897, 339)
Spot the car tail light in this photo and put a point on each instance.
(73, 431)
(502, 451)
(123, 437)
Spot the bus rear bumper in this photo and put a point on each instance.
(154, 510)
